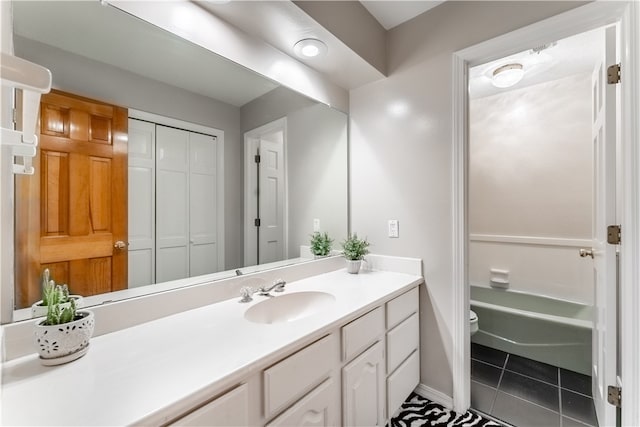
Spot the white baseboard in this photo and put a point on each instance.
(434, 396)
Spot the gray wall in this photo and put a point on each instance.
(402, 160)
(316, 161)
(79, 75)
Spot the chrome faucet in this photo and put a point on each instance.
(246, 292)
(276, 286)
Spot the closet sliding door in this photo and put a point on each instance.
(172, 204)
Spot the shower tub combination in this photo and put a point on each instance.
(545, 329)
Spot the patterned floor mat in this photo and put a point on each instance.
(417, 411)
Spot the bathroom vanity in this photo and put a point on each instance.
(353, 361)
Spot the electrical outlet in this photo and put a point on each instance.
(393, 228)
(316, 224)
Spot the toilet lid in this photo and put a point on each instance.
(472, 316)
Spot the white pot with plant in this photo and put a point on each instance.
(354, 250)
(39, 308)
(320, 244)
(64, 334)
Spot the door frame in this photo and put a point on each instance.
(581, 19)
(250, 202)
(219, 135)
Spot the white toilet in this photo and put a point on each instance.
(473, 320)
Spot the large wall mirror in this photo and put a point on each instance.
(179, 98)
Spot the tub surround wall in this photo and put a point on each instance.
(402, 159)
(530, 188)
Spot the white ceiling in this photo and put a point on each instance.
(393, 13)
(573, 55)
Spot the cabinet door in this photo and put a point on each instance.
(363, 389)
(230, 409)
(318, 409)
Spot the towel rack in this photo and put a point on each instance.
(33, 80)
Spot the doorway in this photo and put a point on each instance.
(265, 194)
(531, 191)
(579, 20)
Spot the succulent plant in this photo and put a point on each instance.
(354, 248)
(321, 243)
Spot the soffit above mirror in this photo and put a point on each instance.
(282, 23)
(154, 54)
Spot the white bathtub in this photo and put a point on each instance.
(548, 330)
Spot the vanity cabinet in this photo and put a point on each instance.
(359, 374)
(230, 409)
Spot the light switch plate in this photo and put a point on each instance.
(393, 228)
(316, 224)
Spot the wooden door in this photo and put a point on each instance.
(71, 213)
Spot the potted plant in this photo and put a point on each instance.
(320, 244)
(39, 308)
(354, 250)
(64, 334)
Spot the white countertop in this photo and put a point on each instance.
(154, 371)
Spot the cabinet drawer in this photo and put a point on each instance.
(318, 408)
(230, 409)
(402, 341)
(291, 378)
(402, 382)
(402, 307)
(362, 332)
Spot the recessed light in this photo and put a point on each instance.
(310, 48)
(507, 75)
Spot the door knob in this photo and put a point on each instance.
(586, 252)
(120, 245)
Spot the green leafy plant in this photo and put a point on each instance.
(321, 243)
(354, 248)
(60, 307)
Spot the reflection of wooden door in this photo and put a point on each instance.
(71, 213)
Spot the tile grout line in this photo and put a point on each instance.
(495, 397)
(560, 397)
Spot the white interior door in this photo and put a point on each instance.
(142, 139)
(271, 243)
(265, 194)
(172, 204)
(604, 262)
(203, 253)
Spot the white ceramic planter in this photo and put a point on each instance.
(353, 267)
(39, 310)
(63, 343)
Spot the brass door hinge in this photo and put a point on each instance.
(613, 74)
(614, 396)
(613, 234)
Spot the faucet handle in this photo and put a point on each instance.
(278, 285)
(245, 293)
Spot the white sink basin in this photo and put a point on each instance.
(289, 307)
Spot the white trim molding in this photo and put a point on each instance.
(531, 240)
(578, 20)
(434, 395)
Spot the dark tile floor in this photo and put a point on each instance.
(523, 392)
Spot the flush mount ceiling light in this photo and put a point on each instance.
(310, 48)
(507, 75)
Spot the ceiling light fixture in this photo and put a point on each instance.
(310, 48)
(507, 75)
